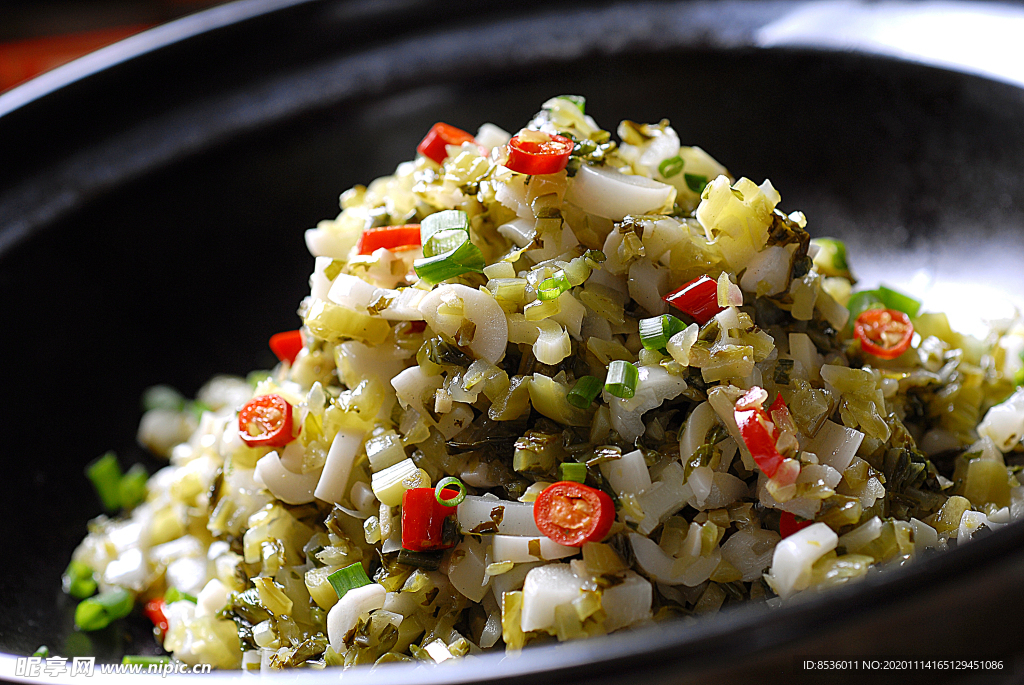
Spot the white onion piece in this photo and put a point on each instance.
(725, 489)
(834, 445)
(653, 561)
(513, 580)
(862, 535)
(547, 587)
(413, 386)
(647, 283)
(970, 523)
(129, 570)
(212, 598)
(654, 387)
(553, 343)
(803, 350)
(351, 291)
(319, 284)
(338, 467)
(188, 574)
(490, 136)
(514, 518)
(750, 551)
(628, 602)
(770, 267)
(478, 306)
(513, 194)
(700, 481)
(517, 549)
(924, 536)
(291, 488)
(612, 195)
(665, 497)
(795, 555)
(466, 573)
(628, 474)
(570, 314)
(1004, 423)
(519, 231)
(404, 305)
(455, 421)
(324, 242)
(700, 421)
(343, 616)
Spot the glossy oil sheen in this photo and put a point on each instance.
(151, 218)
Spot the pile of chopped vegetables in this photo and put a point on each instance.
(548, 386)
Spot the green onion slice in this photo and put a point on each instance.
(671, 167)
(348, 578)
(893, 299)
(464, 259)
(574, 471)
(105, 474)
(98, 612)
(448, 220)
(551, 288)
(145, 659)
(445, 241)
(656, 331)
(696, 182)
(622, 379)
(450, 482)
(578, 100)
(43, 652)
(132, 488)
(584, 392)
(78, 580)
(173, 595)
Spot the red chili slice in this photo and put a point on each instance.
(266, 421)
(572, 513)
(884, 333)
(394, 238)
(789, 525)
(698, 298)
(286, 346)
(539, 157)
(423, 519)
(439, 137)
(155, 612)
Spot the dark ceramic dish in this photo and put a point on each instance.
(153, 198)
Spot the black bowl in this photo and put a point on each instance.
(153, 197)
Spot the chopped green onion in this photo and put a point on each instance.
(578, 100)
(448, 220)
(551, 288)
(893, 299)
(831, 257)
(450, 482)
(348, 578)
(173, 595)
(78, 580)
(132, 488)
(162, 397)
(43, 652)
(657, 331)
(860, 302)
(571, 470)
(464, 259)
(584, 392)
(696, 182)
(622, 379)
(105, 474)
(97, 612)
(671, 167)
(145, 660)
(445, 241)
(429, 561)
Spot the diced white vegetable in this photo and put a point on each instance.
(862, 535)
(325, 242)
(212, 598)
(700, 421)
(663, 568)
(628, 474)
(455, 421)
(466, 571)
(612, 195)
(750, 551)
(481, 513)
(129, 570)
(404, 305)
(413, 387)
(725, 489)
(513, 580)
(516, 548)
(795, 555)
(390, 484)
(1004, 423)
(547, 587)
(924, 536)
(438, 651)
(655, 386)
(768, 271)
(665, 497)
(188, 574)
(291, 488)
(647, 283)
(628, 602)
(803, 350)
(700, 481)
(319, 284)
(344, 615)
(834, 445)
(478, 306)
(970, 523)
(351, 291)
(338, 466)
(491, 136)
